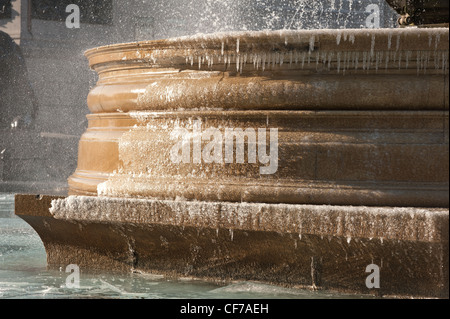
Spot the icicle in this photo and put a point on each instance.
(345, 62)
(352, 38)
(243, 61)
(303, 59)
(419, 61)
(408, 55)
(437, 60)
(444, 61)
(349, 239)
(237, 46)
(338, 58)
(356, 60)
(312, 41)
(324, 58)
(231, 234)
(264, 62)
(330, 59)
(223, 47)
(387, 60)
(389, 40)
(426, 62)
(438, 38)
(237, 62)
(372, 46)
(338, 38)
(364, 60)
(349, 57)
(378, 60)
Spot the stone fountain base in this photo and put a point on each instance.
(323, 247)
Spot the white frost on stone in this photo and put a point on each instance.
(322, 220)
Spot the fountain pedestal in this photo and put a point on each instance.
(361, 174)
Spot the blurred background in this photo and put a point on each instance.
(45, 78)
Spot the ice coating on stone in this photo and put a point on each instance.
(379, 46)
(347, 51)
(418, 224)
(344, 60)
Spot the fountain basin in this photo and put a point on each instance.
(361, 178)
(362, 117)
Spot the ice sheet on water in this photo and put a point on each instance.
(255, 288)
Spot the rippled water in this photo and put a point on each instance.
(23, 275)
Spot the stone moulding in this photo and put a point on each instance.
(292, 70)
(393, 158)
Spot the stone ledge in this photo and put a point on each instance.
(400, 223)
(240, 241)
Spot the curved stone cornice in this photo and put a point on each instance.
(292, 70)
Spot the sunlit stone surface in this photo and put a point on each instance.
(362, 116)
(362, 169)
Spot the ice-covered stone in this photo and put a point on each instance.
(350, 222)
